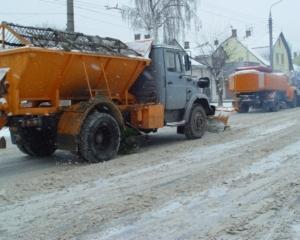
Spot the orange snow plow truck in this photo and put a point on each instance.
(91, 95)
(259, 87)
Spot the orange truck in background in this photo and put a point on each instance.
(89, 95)
(259, 87)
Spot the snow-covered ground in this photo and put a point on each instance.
(4, 133)
(243, 183)
(225, 104)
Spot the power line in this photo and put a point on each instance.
(81, 7)
(30, 13)
(229, 17)
(236, 12)
(88, 10)
(106, 22)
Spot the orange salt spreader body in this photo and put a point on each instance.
(45, 83)
(259, 87)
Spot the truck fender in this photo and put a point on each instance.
(202, 100)
(291, 93)
(72, 118)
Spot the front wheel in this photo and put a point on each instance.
(36, 142)
(99, 138)
(197, 124)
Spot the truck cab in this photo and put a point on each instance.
(169, 81)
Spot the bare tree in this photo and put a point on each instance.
(170, 16)
(215, 60)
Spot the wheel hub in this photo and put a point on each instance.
(99, 138)
(198, 123)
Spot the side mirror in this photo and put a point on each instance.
(204, 82)
(187, 63)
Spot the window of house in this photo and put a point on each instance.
(282, 59)
(277, 58)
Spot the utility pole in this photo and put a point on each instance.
(271, 34)
(70, 16)
(271, 40)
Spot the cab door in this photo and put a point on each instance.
(175, 84)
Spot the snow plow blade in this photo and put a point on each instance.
(222, 118)
(220, 121)
(2, 143)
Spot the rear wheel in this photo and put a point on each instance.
(275, 107)
(22, 148)
(294, 102)
(99, 138)
(36, 142)
(197, 124)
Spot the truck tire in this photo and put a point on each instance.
(275, 107)
(244, 108)
(99, 138)
(197, 124)
(22, 148)
(36, 142)
(294, 102)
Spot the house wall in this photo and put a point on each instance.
(297, 60)
(238, 53)
(239, 56)
(280, 57)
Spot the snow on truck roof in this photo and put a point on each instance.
(143, 47)
(20, 36)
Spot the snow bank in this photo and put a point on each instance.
(5, 133)
(227, 107)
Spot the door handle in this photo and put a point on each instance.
(170, 83)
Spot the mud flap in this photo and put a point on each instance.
(212, 110)
(131, 141)
(2, 143)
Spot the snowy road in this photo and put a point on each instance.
(243, 183)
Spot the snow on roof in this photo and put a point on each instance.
(196, 63)
(259, 47)
(259, 57)
(142, 47)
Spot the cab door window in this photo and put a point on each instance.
(173, 62)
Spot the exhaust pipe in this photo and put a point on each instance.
(2, 143)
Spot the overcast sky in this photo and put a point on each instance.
(217, 17)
